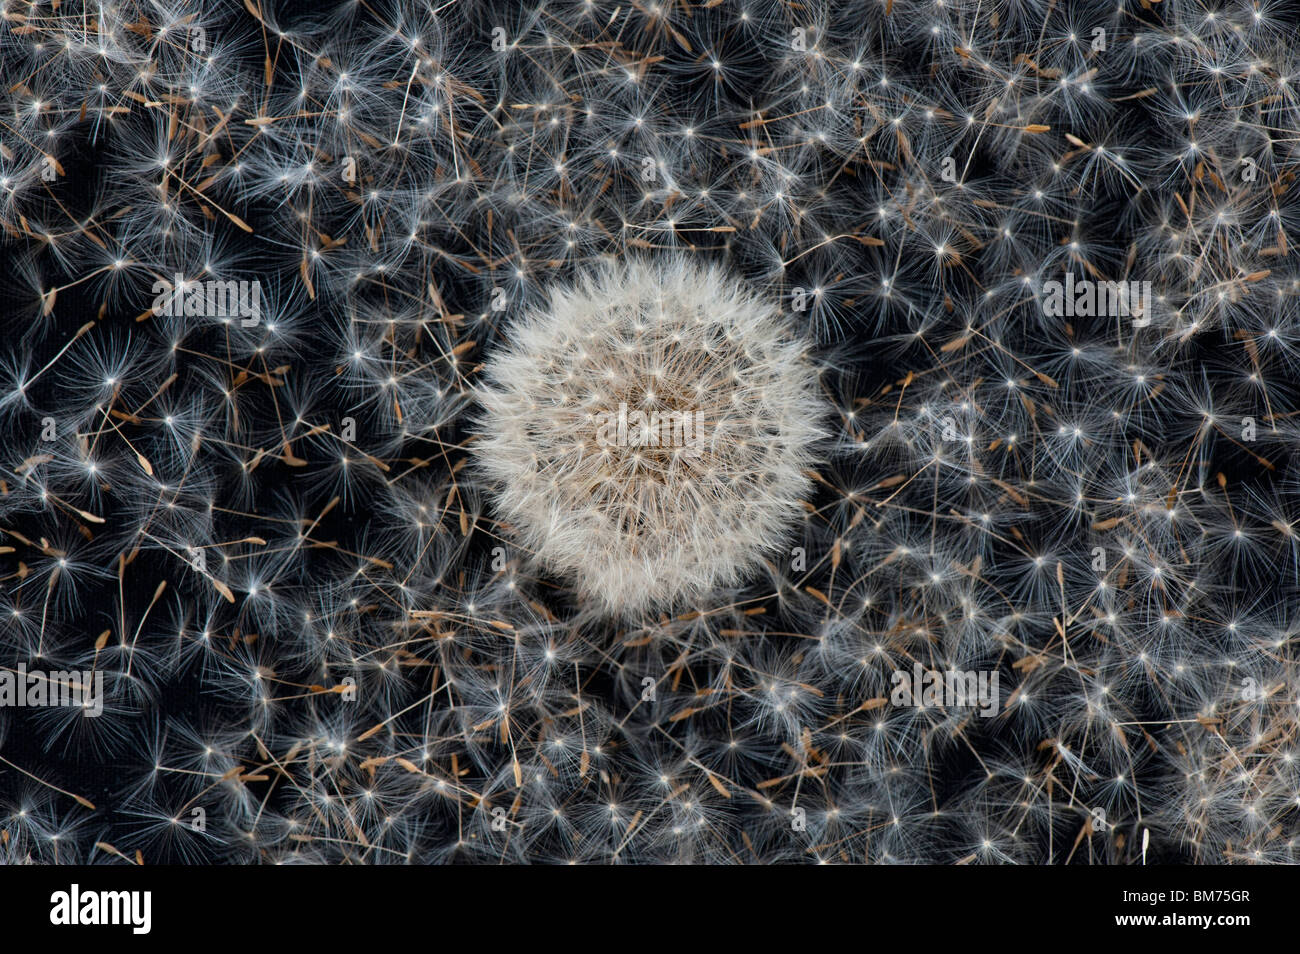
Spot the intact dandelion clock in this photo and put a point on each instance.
(648, 432)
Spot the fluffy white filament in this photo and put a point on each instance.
(644, 519)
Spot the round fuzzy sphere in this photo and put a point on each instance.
(648, 433)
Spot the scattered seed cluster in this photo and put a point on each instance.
(305, 310)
